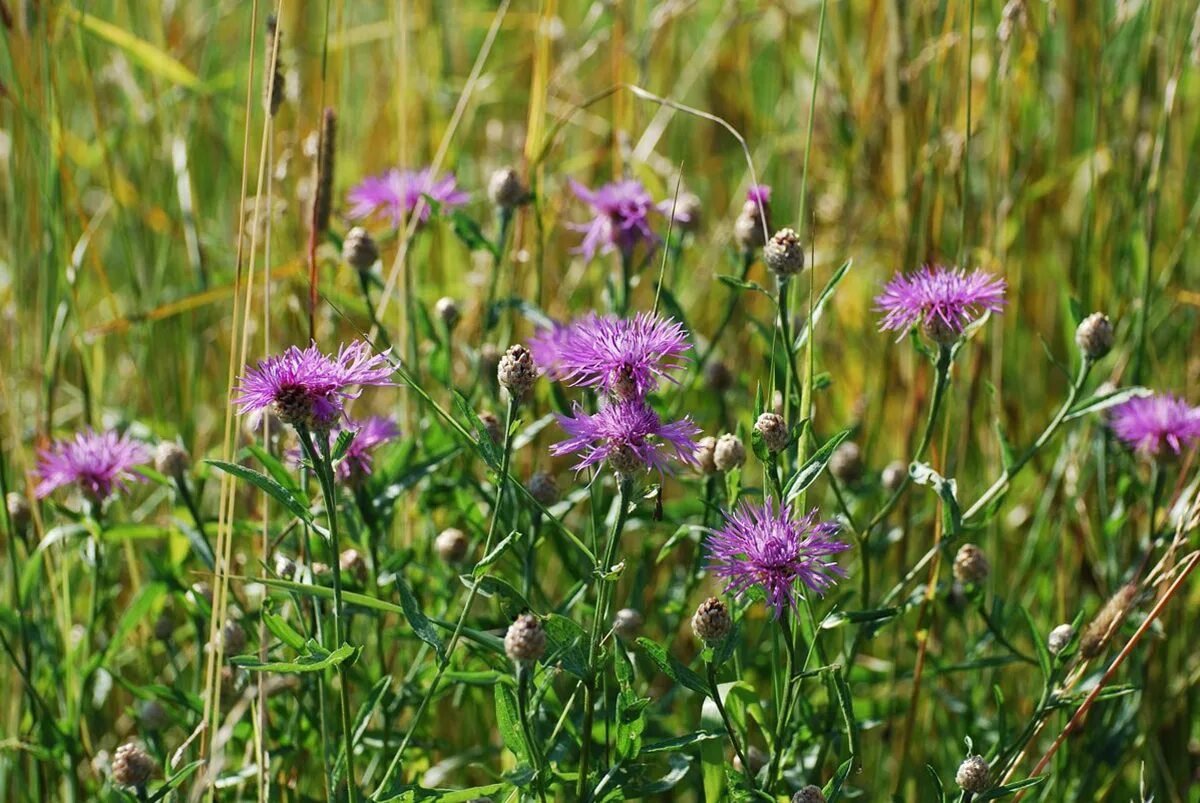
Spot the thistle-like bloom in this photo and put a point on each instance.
(1150, 423)
(631, 433)
(100, 463)
(397, 192)
(625, 357)
(759, 194)
(622, 217)
(307, 388)
(773, 549)
(944, 300)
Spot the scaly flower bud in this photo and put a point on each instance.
(729, 453)
(505, 189)
(516, 371)
(972, 775)
(971, 565)
(132, 766)
(170, 459)
(1094, 336)
(784, 254)
(359, 249)
(711, 623)
(525, 641)
(773, 430)
(452, 545)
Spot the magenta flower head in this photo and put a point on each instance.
(628, 434)
(369, 433)
(944, 301)
(307, 388)
(625, 357)
(759, 194)
(98, 462)
(622, 217)
(396, 193)
(1150, 423)
(773, 549)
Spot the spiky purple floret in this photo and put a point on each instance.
(621, 220)
(759, 194)
(626, 356)
(773, 549)
(369, 434)
(1150, 423)
(396, 193)
(627, 423)
(325, 381)
(100, 463)
(949, 296)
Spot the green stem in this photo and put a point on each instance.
(535, 751)
(715, 691)
(489, 319)
(783, 714)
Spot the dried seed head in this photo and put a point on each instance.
(491, 425)
(809, 794)
(729, 453)
(1095, 636)
(359, 249)
(452, 545)
(544, 488)
(773, 430)
(846, 463)
(627, 623)
(352, 562)
(1094, 336)
(971, 565)
(152, 716)
(525, 641)
(516, 371)
(704, 454)
(273, 88)
(447, 311)
(972, 775)
(718, 376)
(505, 189)
(1059, 638)
(19, 512)
(323, 197)
(132, 766)
(711, 623)
(233, 639)
(893, 475)
(784, 254)
(171, 459)
(748, 228)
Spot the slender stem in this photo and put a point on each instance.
(364, 282)
(733, 737)
(785, 332)
(727, 317)
(490, 320)
(444, 662)
(185, 494)
(524, 674)
(324, 466)
(783, 714)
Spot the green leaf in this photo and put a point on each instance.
(139, 51)
(497, 552)
(171, 783)
(947, 489)
(567, 643)
(1103, 401)
(1045, 661)
(274, 466)
(672, 668)
(283, 631)
(416, 617)
(681, 742)
(744, 284)
(137, 613)
(821, 301)
(812, 469)
(292, 500)
(316, 660)
(1008, 789)
(508, 721)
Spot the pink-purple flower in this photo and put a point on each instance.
(625, 357)
(628, 433)
(621, 217)
(1150, 424)
(397, 192)
(307, 388)
(100, 463)
(944, 300)
(774, 549)
(759, 194)
(369, 434)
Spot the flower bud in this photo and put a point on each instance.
(447, 311)
(233, 639)
(152, 716)
(170, 459)
(352, 562)
(492, 428)
(1095, 636)
(1094, 336)
(1059, 638)
(846, 463)
(627, 623)
(359, 249)
(784, 254)
(525, 641)
(543, 488)
(711, 623)
(971, 565)
(718, 376)
(516, 371)
(748, 229)
(704, 454)
(972, 775)
(893, 475)
(452, 545)
(809, 794)
(132, 766)
(729, 453)
(773, 430)
(688, 208)
(505, 189)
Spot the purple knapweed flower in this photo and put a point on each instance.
(625, 357)
(396, 193)
(307, 388)
(759, 194)
(369, 433)
(1150, 423)
(629, 434)
(100, 463)
(773, 549)
(944, 300)
(622, 217)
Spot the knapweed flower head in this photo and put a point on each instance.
(943, 300)
(621, 218)
(100, 463)
(369, 434)
(1151, 423)
(624, 357)
(396, 194)
(307, 388)
(771, 548)
(629, 432)
(759, 194)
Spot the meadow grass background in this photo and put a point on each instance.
(122, 131)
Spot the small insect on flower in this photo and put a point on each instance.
(397, 193)
(624, 357)
(945, 301)
(1149, 424)
(100, 463)
(307, 388)
(630, 431)
(772, 549)
(621, 217)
